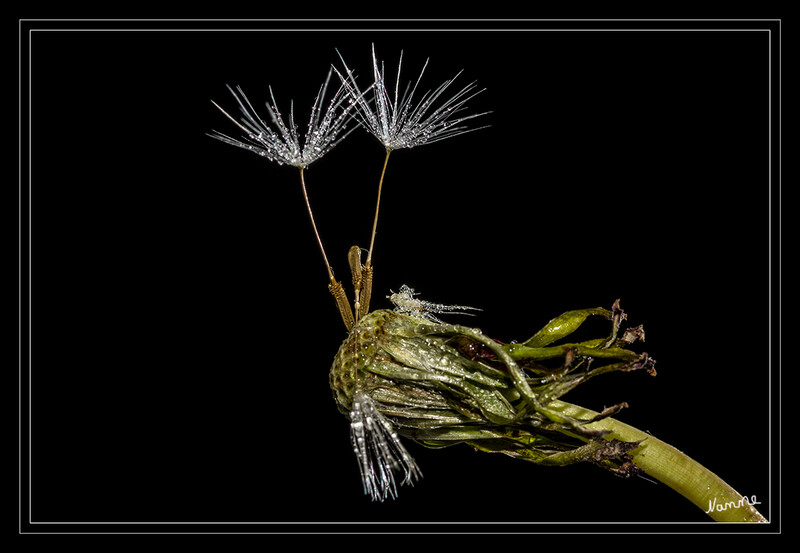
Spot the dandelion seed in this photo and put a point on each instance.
(281, 143)
(398, 123)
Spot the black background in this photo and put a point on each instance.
(182, 332)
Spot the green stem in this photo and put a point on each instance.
(673, 468)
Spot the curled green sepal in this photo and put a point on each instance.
(567, 323)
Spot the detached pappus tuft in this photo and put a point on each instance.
(379, 450)
(405, 373)
(405, 302)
